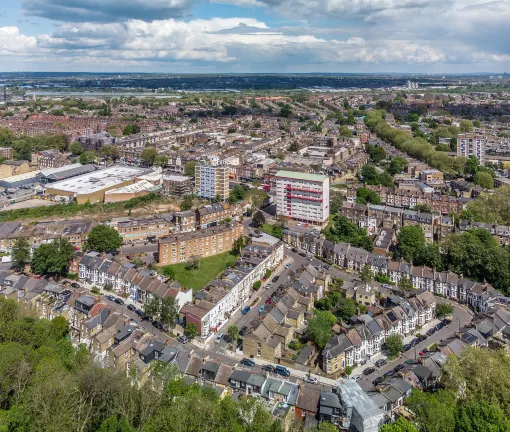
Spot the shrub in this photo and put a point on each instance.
(257, 285)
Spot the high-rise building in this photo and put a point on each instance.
(302, 197)
(212, 181)
(471, 144)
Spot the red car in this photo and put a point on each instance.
(268, 301)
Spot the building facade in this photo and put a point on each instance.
(471, 144)
(212, 181)
(302, 197)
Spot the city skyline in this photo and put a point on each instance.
(240, 36)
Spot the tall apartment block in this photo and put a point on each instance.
(212, 181)
(471, 144)
(302, 197)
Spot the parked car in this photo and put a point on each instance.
(287, 266)
(219, 338)
(158, 325)
(247, 362)
(282, 370)
(399, 367)
(131, 307)
(275, 278)
(269, 285)
(431, 332)
(268, 301)
(261, 308)
(378, 381)
(421, 338)
(243, 329)
(75, 285)
(356, 377)
(119, 301)
(391, 372)
(294, 250)
(424, 351)
(183, 339)
(310, 379)
(110, 297)
(368, 371)
(439, 326)
(139, 312)
(268, 368)
(446, 321)
(388, 286)
(381, 362)
(363, 362)
(147, 318)
(246, 310)
(407, 347)
(414, 342)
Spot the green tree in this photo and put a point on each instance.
(424, 208)
(484, 180)
(409, 241)
(131, 129)
(76, 148)
(169, 272)
(191, 330)
(237, 194)
(394, 345)
(168, 312)
(189, 168)
(345, 131)
(434, 412)
(110, 151)
(397, 165)
(405, 286)
(103, 238)
(294, 147)
(259, 219)
(233, 333)
(112, 424)
(187, 203)
(366, 274)
(343, 230)
(444, 309)
(370, 175)
(324, 426)
(429, 255)
(472, 165)
(346, 308)
(256, 198)
(88, 157)
(161, 160)
(366, 196)
(319, 328)
(385, 179)
(151, 306)
(466, 126)
(149, 155)
(477, 416)
(376, 153)
(21, 252)
(401, 425)
(52, 257)
(277, 231)
(491, 208)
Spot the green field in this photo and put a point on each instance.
(267, 228)
(209, 268)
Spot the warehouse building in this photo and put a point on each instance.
(93, 186)
(135, 190)
(16, 181)
(63, 173)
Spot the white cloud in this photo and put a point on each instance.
(12, 42)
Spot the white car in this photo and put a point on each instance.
(299, 223)
(219, 338)
(356, 377)
(310, 379)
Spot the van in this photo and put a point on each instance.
(281, 370)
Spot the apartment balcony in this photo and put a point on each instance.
(306, 198)
(301, 189)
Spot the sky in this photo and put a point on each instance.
(254, 36)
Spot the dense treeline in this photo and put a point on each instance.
(418, 148)
(48, 385)
(24, 146)
(490, 208)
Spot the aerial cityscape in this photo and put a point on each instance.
(253, 215)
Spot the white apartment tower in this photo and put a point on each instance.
(212, 181)
(471, 144)
(302, 197)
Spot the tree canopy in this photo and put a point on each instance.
(410, 239)
(52, 257)
(319, 328)
(103, 238)
(343, 230)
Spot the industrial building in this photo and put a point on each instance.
(65, 172)
(16, 181)
(93, 186)
(135, 190)
(302, 197)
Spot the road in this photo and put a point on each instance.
(461, 316)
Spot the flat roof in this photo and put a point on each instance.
(140, 186)
(302, 176)
(21, 177)
(98, 180)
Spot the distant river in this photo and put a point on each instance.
(100, 94)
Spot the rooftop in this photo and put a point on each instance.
(302, 176)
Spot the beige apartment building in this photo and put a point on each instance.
(212, 181)
(204, 243)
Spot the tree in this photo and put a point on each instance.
(345, 132)
(324, 426)
(366, 196)
(233, 333)
(405, 286)
(484, 180)
(424, 208)
(259, 219)
(21, 252)
(151, 306)
(472, 165)
(434, 412)
(394, 345)
(429, 255)
(191, 330)
(256, 285)
(491, 208)
(88, 157)
(52, 257)
(409, 241)
(385, 179)
(110, 151)
(444, 309)
(370, 175)
(168, 312)
(187, 203)
(466, 126)
(76, 148)
(346, 308)
(131, 129)
(237, 194)
(477, 416)
(189, 169)
(149, 155)
(319, 328)
(169, 272)
(343, 230)
(277, 231)
(161, 160)
(366, 274)
(193, 262)
(294, 147)
(401, 425)
(103, 238)
(256, 198)
(112, 424)
(376, 153)
(397, 165)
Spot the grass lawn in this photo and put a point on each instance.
(210, 267)
(267, 228)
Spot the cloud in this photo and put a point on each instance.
(12, 42)
(106, 10)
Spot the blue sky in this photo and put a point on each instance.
(179, 36)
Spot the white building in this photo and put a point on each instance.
(302, 197)
(212, 181)
(470, 144)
